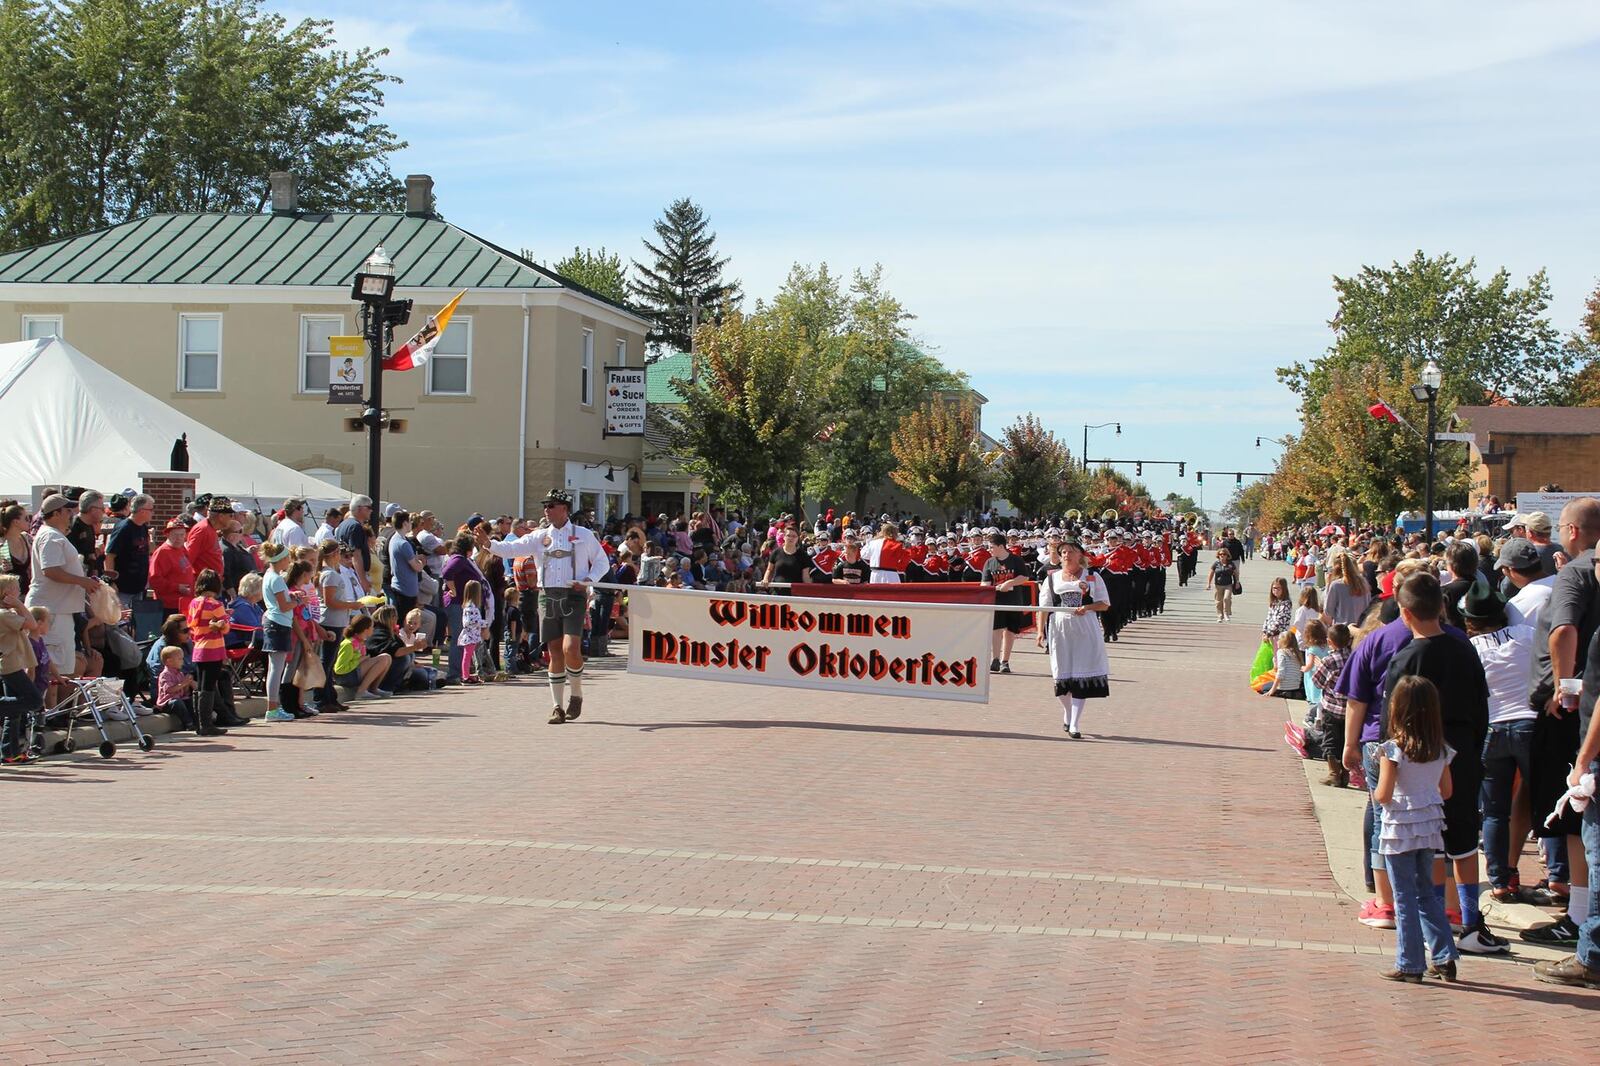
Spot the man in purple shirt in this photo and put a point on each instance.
(1362, 685)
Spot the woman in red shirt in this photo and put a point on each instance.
(171, 574)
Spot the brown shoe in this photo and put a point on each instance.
(1445, 972)
(557, 716)
(1401, 975)
(574, 707)
(1567, 971)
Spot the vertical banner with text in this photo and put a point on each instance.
(625, 402)
(347, 369)
(880, 649)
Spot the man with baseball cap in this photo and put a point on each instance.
(355, 531)
(59, 581)
(1538, 526)
(569, 559)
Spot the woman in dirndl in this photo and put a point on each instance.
(1077, 646)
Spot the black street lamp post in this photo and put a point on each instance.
(1427, 391)
(373, 285)
(1084, 456)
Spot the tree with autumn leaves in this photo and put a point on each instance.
(937, 455)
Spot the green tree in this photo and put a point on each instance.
(754, 407)
(112, 109)
(1173, 503)
(1490, 339)
(1245, 506)
(600, 272)
(1034, 462)
(881, 376)
(684, 280)
(936, 449)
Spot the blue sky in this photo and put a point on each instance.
(1098, 209)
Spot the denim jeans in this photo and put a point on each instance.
(1589, 932)
(452, 646)
(1373, 826)
(1507, 750)
(1418, 912)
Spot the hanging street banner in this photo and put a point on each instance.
(925, 651)
(347, 369)
(625, 403)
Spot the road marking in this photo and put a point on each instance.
(120, 888)
(670, 853)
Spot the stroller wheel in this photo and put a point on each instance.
(147, 742)
(107, 749)
(68, 745)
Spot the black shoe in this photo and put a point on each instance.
(233, 723)
(1074, 734)
(1005, 667)
(1559, 932)
(994, 666)
(302, 714)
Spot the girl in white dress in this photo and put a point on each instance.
(1077, 643)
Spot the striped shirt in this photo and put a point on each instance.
(210, 645)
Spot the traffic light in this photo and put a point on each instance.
(1180, 469)
(1238, 480)
(1199, 477)
(1138, 469)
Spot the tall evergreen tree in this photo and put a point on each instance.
(685, 271)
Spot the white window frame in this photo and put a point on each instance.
(465, 320)
(29, 320)
(622, 352)
(586, 370)
(300, 344)
(183, 362)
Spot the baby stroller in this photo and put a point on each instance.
(102, 700)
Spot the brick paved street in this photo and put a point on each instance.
(706, 872)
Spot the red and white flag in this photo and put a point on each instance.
(416, 351)
(1384, 412)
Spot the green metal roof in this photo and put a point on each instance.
(311, 249)
(659, 376)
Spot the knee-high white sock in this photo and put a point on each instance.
(1077, 711)
(1578, 903)
(1066, 710)
(575, 679)
(558, 688)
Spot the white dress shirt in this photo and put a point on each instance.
(563, 556)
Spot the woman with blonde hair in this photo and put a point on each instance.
(1348, 595)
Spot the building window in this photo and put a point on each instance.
(199, 353)
(622, 353)
(586, 380)
(314, 333)
(324, 473)
(450, 368)
(37, 326)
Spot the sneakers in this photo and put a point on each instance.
(1544, 895)
(20, 759)
(1453, 916)
(1477, 940)
(1005, 666)
(278, 714)
(1375, 915)
(994, 666)
(382, 693)
(1561, 931)
(1568, 971)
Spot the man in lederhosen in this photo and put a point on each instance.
(570, 559)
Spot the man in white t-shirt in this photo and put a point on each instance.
(59, 582)
(1520, 562)
(291, 532)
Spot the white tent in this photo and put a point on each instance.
(70, 421)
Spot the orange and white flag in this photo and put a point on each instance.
(416, 351)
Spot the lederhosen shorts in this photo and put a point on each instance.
(561, 614)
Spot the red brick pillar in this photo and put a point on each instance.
(173, 491)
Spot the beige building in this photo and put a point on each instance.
(227, 316)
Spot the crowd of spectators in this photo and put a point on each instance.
(1502, 619)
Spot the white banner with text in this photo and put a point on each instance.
(927, 651)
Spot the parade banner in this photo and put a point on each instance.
(1550, 503)
(878, 649)
(909, 591)
(625, 402)
(347, 369)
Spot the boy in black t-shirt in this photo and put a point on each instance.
(1456, 671)
(1006, 571)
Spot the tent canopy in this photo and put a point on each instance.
(76, 423)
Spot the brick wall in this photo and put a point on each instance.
(172, 492)
(1569, 460)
